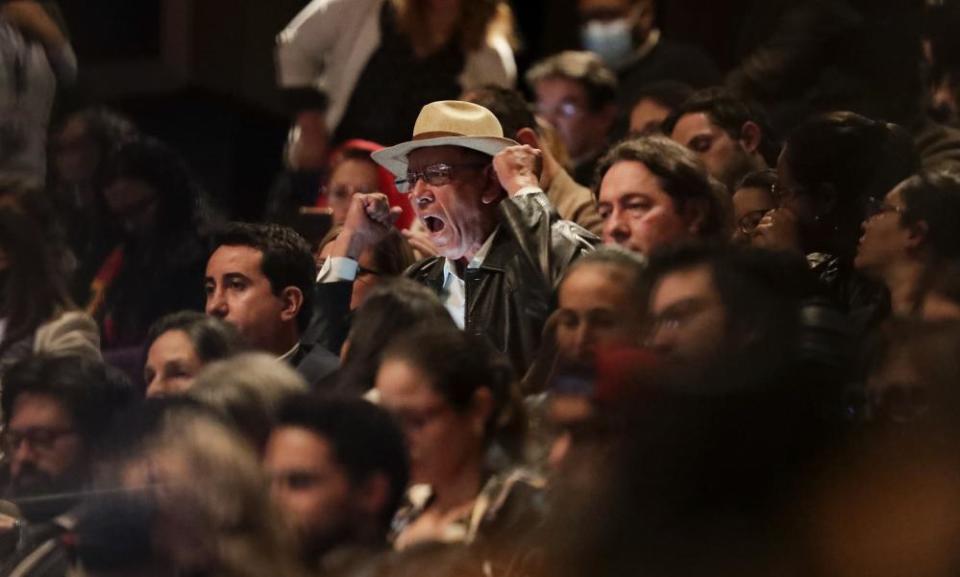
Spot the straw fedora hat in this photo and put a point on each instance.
(447, 123)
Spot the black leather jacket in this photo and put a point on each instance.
(510, 296)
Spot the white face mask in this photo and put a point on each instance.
(611, 40)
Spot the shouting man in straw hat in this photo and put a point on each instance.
(502, 248)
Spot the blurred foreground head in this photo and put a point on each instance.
(192, 499)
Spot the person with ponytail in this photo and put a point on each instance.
(911, 235)
(830, 167)
(456, 400)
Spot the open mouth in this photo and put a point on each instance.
(433, 224)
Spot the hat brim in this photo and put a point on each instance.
(394, 158)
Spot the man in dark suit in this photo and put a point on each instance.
(260, 278)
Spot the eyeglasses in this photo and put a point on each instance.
(748, 222)
(675, 317)
(877, 206)
(435, 175)
(40, 438)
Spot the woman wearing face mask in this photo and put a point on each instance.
(379, 61)
(36, 312)
(911, 236)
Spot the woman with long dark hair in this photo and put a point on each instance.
(830, 168)
(158, 266)
(457, 403)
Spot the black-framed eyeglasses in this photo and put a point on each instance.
(435, 175)
(877, 206)
(40, 438)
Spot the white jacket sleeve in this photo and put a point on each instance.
(492, 64)
(303, 45)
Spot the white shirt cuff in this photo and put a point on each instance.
(338, 269)
(529, 190)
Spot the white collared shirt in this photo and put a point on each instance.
(285, 357)
(454, 294)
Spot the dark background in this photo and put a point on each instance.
(199, 74)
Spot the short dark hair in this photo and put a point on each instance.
(584, 68)
(390, 309)
(212, 338)
(681, 174)
(90, 391)
(365, 439)
(762, 291)
(509, 106)
(933, 196)
(729, 112)
(667, 93)
(765, 179)
(287, 260)
(458, 364)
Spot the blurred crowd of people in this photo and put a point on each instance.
(617, 313)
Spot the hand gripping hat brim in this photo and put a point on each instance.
(447, 123)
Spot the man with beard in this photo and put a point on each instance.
(729, 314)
(730, 135)
(55, 410)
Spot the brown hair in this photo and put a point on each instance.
(682, 176)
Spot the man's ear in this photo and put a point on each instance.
(492, 192)
(529, 137)
(750, 136)
(292, 299)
